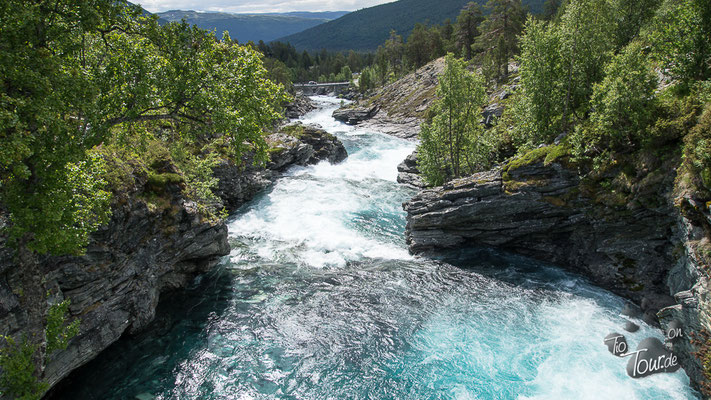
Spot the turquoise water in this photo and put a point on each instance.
(319, 299)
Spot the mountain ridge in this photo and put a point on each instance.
(368, 28)
(251, 27)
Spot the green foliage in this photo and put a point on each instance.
(499, 35)
(537, 109)
(623, 105)
(587, 38)
(697, 149)
(630, 16)
(278, 71)
(560, 64)
(58, 332)
(452, 144)
(467, 28)
(62, 209)
(200, 181)
(551, 9)
(679, 34)
(546, 154)
(18, 378)
(81, 73)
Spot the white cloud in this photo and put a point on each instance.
(258, 6)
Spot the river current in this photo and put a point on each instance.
(319, 299)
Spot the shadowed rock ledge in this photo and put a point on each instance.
(538, 211)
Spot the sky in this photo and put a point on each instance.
(257, 6)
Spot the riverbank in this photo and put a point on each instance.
(156, 242)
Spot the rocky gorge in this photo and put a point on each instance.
(152, 245)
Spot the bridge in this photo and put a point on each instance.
(311, 89)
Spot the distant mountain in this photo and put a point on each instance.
(368, 28)
(255, 27)
(329, 15)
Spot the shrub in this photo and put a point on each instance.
(18, 378)
(58, 332)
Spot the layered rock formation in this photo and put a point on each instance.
(153, 243)
(408, 174)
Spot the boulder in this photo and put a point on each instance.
(352, 116)
(408, 174)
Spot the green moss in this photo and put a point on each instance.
(161, 180)
(511, 186)
(546, 154)
(295, 130)
(155, 202)
(276, 149)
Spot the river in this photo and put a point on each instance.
(319, 299)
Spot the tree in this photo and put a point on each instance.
(680, 34)
(587, 32)
(551, 9)
(499, 33)
(538, 107)
(447, 32)
(623, 106)
(354, 62)
(467, 28)
(86, 72)
(395, 50)
(451, 143)
(417, 49)
(630, 16)
(365, 80)
(381, 65)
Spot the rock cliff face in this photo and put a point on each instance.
(688, 280)
(298, 107)
(408, 173)
(539, 212)
(149, 247)
(352, 116)
(399, 107)
(649, 253)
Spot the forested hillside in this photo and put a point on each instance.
(366, 29)
(254, 27)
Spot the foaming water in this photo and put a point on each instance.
(320, 299)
